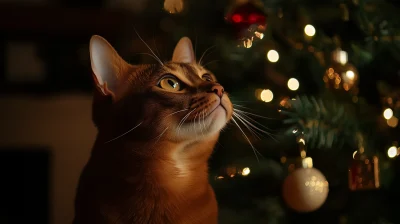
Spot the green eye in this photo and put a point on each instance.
(170, 84)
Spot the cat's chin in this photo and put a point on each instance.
(206, 126)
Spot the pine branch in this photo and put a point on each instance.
(325, 124)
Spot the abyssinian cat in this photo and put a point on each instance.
(157, 127)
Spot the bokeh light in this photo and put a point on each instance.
(293, 84)
(245, 171)
(273, 56)
(266, 95)
(392, 152)
(392, 122)
(309, 30)
(388, 113)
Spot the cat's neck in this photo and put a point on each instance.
(170, 165)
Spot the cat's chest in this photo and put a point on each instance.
(168, 210)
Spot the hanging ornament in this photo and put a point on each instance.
(341, 75)
(364, 173)
(306, 188)
(364, 170)
(173, 6)
(248, 22)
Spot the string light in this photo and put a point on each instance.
(340, 56)
(273, 56)
(388, 113)
(245, 171)
(247, 43)
(266, 95)
(350, 74)
(259, 35)
(309, 30)
(392, 152)
(293, 84)
(354, 154)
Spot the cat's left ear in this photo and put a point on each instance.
(183, 52)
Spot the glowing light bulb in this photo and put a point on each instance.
(247, 43)
(354, 154)
(259, 35)
(392, 152)
(293, 84)
(309, 30)
(350, 74)
(245, 171)
(273, 56)
(388, 113)
(266, 95)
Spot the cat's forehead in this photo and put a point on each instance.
(186, 72)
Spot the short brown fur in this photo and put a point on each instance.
(156, 173)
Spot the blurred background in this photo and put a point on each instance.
(315, 86)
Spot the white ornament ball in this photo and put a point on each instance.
(305, 189)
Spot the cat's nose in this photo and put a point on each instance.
(218, 89)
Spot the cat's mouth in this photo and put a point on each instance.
(214, 108)
(217, 107)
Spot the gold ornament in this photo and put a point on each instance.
(341, 75)
(306, 188)
(173, 6)
(364, 172)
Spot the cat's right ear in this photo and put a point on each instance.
(107, 65)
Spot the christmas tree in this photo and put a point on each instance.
(315, 91)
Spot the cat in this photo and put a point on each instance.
(157, 127)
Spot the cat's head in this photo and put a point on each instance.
(179, 99)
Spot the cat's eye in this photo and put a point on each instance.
(207, 77)
(170, 84)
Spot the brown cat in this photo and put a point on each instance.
(157, 127)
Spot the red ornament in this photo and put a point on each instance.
(364, 173)
(248, 21)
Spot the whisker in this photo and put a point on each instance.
(123, 133)
(160, 135)
(158, 139)
(184, 119)
(201, 127)
(240, 101)
(253, 126)
(254, 133)
(251, 119)
(256, 115)
(176, 112)
(204, 115)
(204, 53)
(158, 59)
(155, 57)
(237, 105)
(155, 45)
(248, 140)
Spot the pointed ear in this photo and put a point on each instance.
(107, 65)
(183, 52)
